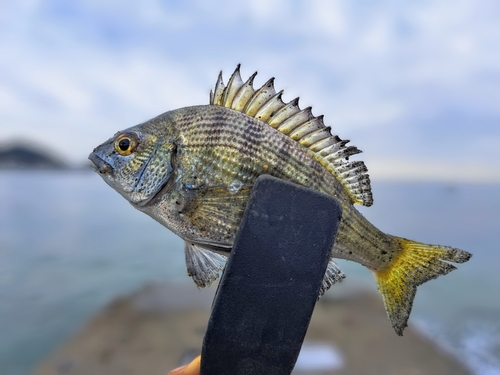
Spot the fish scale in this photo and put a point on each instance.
(192, 169)
(245, 138)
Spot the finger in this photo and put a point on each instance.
(192, 369)
(177, 371)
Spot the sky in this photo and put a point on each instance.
(415, 85)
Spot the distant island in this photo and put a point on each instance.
(26, 156)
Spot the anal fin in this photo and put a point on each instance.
(203, 265)
(332, 276)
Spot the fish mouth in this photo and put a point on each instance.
(100, 165)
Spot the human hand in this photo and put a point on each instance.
(191, 369)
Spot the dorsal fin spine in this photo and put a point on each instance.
(322, 144)
(270, 107)
(295, 120)
(301, 125)
(286, 111)
(316, 136)
(234, 84)
(244, 94)
(307, 128)
(260, 97)
(216, 98)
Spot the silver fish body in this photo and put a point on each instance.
(192, 170)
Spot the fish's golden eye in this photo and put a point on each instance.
(125, 144)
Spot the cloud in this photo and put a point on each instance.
(378, 71)
(447, 171)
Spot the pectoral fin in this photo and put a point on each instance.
(217, 211)
(203, 265)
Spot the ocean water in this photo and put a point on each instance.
(69, 244)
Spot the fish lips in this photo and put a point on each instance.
(99, 165)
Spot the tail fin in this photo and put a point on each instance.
(413, 266)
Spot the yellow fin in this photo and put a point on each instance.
(266, 105)
(413, 266)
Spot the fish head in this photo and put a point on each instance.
(136, 162)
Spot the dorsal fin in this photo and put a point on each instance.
(266, 105)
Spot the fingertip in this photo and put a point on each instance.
(177, 371)
(193, 368)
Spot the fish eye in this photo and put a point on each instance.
(125, 144)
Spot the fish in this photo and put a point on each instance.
(192, 169)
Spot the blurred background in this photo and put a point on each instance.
(416, 86)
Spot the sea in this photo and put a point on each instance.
(69, 245)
